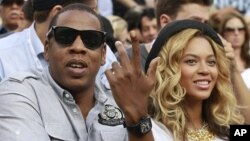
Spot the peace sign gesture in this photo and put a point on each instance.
(129, 84)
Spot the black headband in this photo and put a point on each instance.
(173, 28)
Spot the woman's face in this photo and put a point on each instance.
(234, 32)
(199, 70)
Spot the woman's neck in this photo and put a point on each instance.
(194, 111)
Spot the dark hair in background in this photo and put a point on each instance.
(121, 10)
(9, 2)
(110, 40)
(172, 7)
(28, 10)
(245, 49)
(147, 12)
(133, 17)
(41, 16)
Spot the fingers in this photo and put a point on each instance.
(124, 59)
(228, 48)
(110, 76)
(116, 70)
(152, 68)
(136, 60)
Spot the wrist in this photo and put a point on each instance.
(142, 127)
(134, 116)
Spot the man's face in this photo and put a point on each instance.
(11, 13)
(194, 11)
(148, 29)
(91, 3)
(74, 65)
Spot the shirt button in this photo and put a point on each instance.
(17, 132)
(74, 110)
(67, 95)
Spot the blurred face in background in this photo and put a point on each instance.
(234, 32)
(91, 3)
(11, 13)
(149, 29)
(195, 12)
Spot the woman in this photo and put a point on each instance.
(193, 95)
(234, 29)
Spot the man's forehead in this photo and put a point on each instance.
(71, 18)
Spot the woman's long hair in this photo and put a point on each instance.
(245, 49)
(219, 110)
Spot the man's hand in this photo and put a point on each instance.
(129, 84)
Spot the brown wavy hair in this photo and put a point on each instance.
(245, 49)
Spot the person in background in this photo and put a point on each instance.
(234, 29)
(165, 13)
(120, 27)
(121, 7)
(10, 12)
(224, 7)
(27, 18)
(148, 30)
(199, 10)
(24, 50)
(193, 96)
(133, 17)
(105, 8)
(110, 49)
(65, 102)
(148, 25)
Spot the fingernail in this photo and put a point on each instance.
(118, 43)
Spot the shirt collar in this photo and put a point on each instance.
(35, 41)
(100, 95)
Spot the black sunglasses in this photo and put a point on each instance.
(92, 39)
(239, 29)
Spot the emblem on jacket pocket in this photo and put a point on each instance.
(111, 116)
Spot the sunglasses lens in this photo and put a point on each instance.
(92, 39)
(229, 29)
(65, 36)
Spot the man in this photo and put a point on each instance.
(148, 25)
(65, 102)
(24, 50)
(10, 12)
